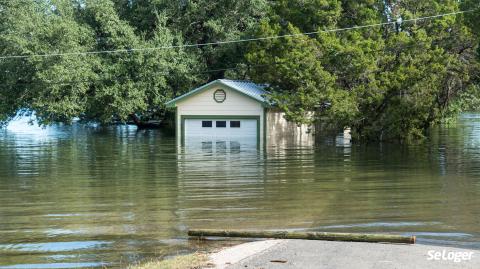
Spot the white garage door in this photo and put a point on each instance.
(241, 130)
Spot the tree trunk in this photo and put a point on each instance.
(351, 237)
(144, 125)
(135, 119)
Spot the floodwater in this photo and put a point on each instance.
(84, 196)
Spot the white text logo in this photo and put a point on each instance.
(455, 256)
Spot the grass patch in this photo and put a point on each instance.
(192, 261)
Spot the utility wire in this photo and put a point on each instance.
(235, 41)
(123, 78)
(239, 65)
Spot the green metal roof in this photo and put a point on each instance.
(247, 88)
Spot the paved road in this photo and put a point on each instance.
(306, 254)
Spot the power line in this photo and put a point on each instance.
(123, 78)
(198, 45)
(126, 77)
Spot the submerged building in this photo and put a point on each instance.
(231, 111)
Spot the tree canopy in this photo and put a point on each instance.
(389, 81)
(385, 82)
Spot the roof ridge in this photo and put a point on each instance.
(238, 80)
(261, 85)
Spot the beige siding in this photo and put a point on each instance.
(281, 133)
(235, 104)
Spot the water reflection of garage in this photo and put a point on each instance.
(231, 147)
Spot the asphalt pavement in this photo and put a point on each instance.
(304, 254)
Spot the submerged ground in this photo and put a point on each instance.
(84, 196)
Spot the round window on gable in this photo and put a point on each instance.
(219, 96)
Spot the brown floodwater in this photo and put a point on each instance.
(84, 196)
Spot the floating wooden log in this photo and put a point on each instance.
(350, 237)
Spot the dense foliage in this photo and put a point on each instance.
(385, 82)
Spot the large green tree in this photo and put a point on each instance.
(389, 82)
(137, 82)
(37, 83)
(102, 87)
(199, 22)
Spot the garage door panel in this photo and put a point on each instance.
(246, 132)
